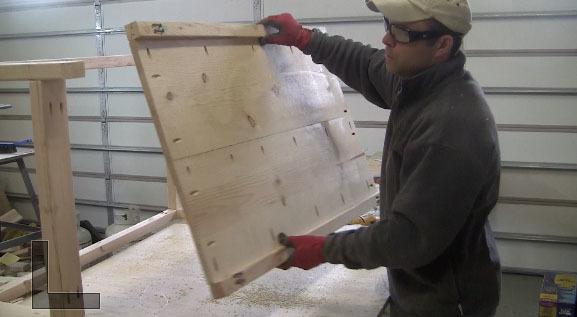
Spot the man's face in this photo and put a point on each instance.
(409, 59)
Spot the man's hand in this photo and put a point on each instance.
(290, 32)
(308, 251)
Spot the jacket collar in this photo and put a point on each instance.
(424, 83)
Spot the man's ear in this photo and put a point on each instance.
(443, 46)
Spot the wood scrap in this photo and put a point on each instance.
(12, 216)
(41, 70)
(22, 286)
(19, 267)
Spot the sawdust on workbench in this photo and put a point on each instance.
(268, 297)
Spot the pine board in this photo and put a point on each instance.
(41, 70)
(258, 141)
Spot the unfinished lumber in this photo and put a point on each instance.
(122, 238)
(41, 70)
(12, 216)
(54, 184)
(258, 141)
(94, 252)
(175, 30)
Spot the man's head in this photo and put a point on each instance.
(421, 33)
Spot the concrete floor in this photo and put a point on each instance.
(161, 276)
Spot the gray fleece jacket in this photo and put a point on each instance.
(439, 182)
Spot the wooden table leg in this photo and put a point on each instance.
(54, 182)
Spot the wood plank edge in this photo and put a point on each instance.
(275, 258)
(23, 285)
(24, 70)
(230, 285)
(111, 61)
(140, 30)
(90, 62)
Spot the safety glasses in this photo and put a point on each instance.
(402, 34)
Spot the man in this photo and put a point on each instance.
(441, 163)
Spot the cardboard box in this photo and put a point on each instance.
(558, 295)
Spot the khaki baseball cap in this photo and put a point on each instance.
(454, 14)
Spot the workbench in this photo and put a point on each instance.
(162, 276)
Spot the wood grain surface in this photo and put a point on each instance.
(258, 141)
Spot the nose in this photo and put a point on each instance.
(388, 40)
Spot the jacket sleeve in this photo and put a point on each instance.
(359, 66)
(438, 188)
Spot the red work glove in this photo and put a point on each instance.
(308, 251)
(290, 32)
